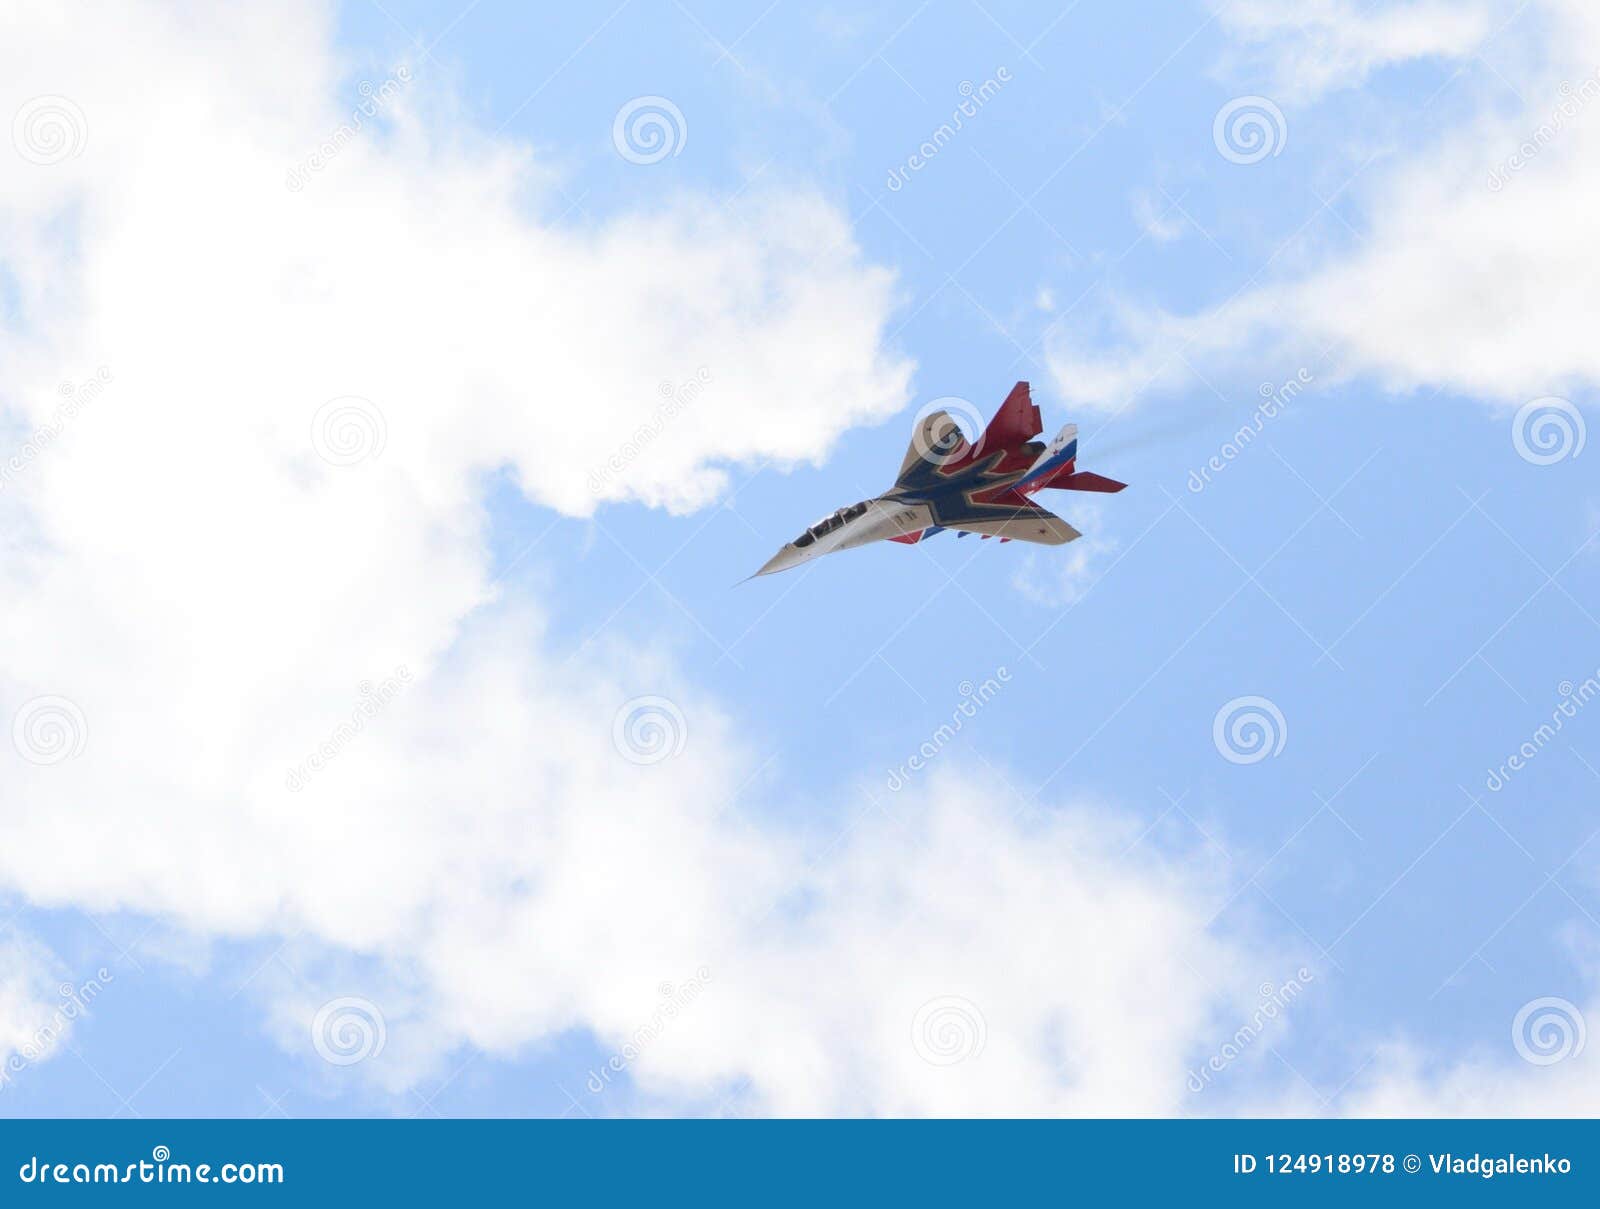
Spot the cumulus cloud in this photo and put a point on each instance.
(408, 271)
(1472, 270)
(261, 682)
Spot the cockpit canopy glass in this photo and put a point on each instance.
(829, 523)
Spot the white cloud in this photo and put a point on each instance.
(1315, 45)
(409, 272)
(32, 1025)
(1471, 274)
(1544, 1065)
(1157, 217)
(193, 598)
(1411, 1083)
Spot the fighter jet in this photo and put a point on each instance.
(947, 482)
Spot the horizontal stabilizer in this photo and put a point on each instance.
(1085, 480)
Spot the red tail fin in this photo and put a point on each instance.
(1016, 421)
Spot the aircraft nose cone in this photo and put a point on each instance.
(785, 558)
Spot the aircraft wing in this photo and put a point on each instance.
(937, 440)
(1011, 516)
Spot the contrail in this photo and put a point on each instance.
(1168, 427)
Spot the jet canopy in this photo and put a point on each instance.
(829, 523)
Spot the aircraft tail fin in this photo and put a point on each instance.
(1057, 467)
(1016, 421)
(1058, 456)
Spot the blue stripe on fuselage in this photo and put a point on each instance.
(947, 495)
(1068, 452)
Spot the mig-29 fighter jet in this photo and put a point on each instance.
(946, 482)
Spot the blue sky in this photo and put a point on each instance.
(1380, 563)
